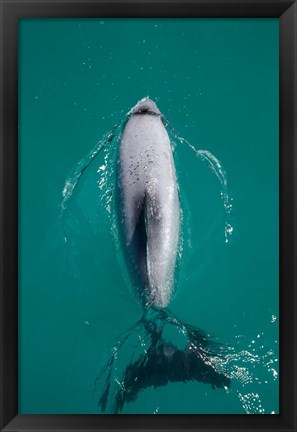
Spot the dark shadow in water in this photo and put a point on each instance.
(163, 362)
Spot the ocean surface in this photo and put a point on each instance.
(216, 82)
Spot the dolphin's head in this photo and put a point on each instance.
(146, 106)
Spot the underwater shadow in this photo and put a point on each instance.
(163, 362)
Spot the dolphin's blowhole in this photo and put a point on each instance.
(146, 106)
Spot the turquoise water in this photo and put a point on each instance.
(216, 81)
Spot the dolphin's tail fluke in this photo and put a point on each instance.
(160, 350)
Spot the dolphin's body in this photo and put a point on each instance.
(149, 204)
(150, 214)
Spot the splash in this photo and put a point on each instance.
(218, 170)
(252, 365)
(240, 371)
(113, 135)
(159, 349)
(74, 178)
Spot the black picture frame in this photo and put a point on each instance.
(11, 11)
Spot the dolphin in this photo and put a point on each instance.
(149, 204)
(149, 214)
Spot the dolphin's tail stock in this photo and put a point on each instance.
(160, 349)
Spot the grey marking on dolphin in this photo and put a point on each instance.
(149, 204)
